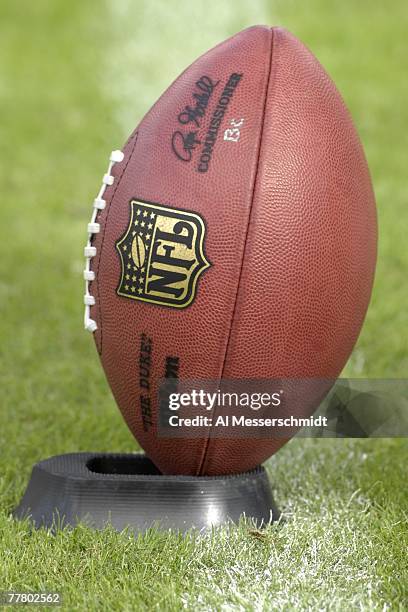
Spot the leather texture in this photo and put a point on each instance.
(290, 234)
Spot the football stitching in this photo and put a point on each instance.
(134, 137)
(117, 183)
(204, 456)
(94, 228)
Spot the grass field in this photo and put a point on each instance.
(74, 80)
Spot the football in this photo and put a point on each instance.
(233, 237)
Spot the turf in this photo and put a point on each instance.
(75, 79)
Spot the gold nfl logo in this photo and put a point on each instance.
(162, 255)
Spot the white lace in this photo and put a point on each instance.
(94, 228)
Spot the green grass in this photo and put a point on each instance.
(343, 546)
(75, 79)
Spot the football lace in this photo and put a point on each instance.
(94, 228)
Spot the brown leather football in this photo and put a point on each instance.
(234, 237)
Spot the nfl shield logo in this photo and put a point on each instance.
(162, 255)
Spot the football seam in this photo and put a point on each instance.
(204, 454)
(118, 182)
